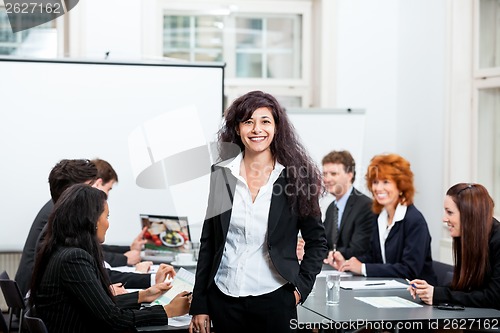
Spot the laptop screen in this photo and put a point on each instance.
(166, 233)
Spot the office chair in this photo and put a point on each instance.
(444, 273)
(3, 324)
(33, 323)
(14, 300)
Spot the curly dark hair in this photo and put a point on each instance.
(303, 177)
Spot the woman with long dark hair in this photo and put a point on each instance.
(70, 287)
(468, 213)
(248, 277)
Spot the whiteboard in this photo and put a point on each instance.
(52, 110)
(324, 130)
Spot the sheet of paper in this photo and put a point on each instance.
(324, 273)
(183, 281)
(388, 302)
(372, 284)
(179, 321)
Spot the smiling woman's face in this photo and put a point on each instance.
(451, 216)
(257, 132)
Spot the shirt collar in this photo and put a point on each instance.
(399, 214)
(235, 164)
(343, 200)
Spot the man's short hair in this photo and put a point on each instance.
(342, 157)
(69, 172)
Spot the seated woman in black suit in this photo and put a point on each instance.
(70, 287)
(468, 212)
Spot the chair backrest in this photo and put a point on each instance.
(444, 272)
(12, 294)
(3, 324)
(4, 276)
(34, 324)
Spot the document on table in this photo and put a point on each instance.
(183, 281)
(372, 284)
(389, 302)
(325, 272)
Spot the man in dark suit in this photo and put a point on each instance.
(348, 220)
(64, 174)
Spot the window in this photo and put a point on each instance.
(259, 46)
(263, 47)
(486, 94)
(40, 41)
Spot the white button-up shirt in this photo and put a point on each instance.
(246, 267)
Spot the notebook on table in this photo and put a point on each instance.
(166, 236)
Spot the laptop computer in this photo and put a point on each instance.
(166, 236)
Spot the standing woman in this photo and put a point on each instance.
(248, 277)
(468, 212)
(400, 242)
(70, 287)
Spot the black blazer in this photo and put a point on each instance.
(407, 250)
(71, 298)
(283, 227)
(25, 269)
(488, 296)
(355, 227)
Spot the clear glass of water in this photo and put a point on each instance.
(333, 288)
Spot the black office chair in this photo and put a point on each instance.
(444, 272)
(33, 323)
(14, 299)
(3, 324)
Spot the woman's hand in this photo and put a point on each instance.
(143, 266)
(421, 289)
(153, 292)
(200, 324)
(118, 289)
(164, 271)
(300, 248)
(351, 265)
(179, 306)
(330, 259)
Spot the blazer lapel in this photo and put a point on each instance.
(225, 191)
(278, 202)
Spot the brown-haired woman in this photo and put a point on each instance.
(401, 242)
(468, 212)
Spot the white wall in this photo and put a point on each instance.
(391, 63)
(421, 104)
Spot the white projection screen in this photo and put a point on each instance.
(134, 115)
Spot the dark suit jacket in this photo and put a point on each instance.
(114, 254)
(488, 296)
(407, 250)
(71, 298)
(283, 227)
(27, 263)
(355, 227)
(25, 269)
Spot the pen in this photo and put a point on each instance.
(123, 284)
(411, 284)
(188, 294)
(334, 247)
(375, 284)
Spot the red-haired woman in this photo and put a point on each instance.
(468, 212)
(400, 243)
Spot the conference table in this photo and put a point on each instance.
(352, 313)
